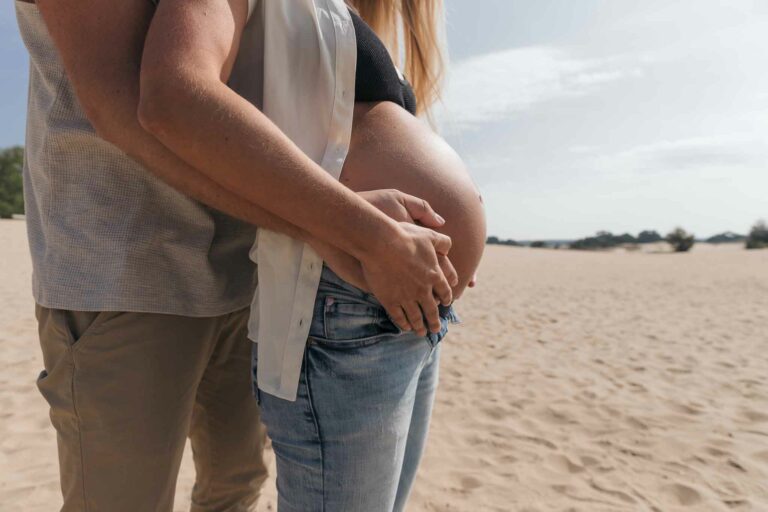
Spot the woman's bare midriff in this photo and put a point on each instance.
(390, 148)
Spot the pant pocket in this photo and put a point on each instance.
(351, 323)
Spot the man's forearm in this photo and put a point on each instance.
(258, 161)
(187, 105)
(121, 127)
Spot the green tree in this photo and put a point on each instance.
(603, 240)
(494, 240)
(726, 238)
(648, 237)
(758, 236)
(11, 193)
(680, 240)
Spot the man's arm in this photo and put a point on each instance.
(185, 102)
(102, 56)
(101, 43)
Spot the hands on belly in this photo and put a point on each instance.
(391, 149)
(409, 315)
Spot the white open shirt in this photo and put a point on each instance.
(297, 62)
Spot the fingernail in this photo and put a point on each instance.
(440, 219)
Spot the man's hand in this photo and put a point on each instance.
(413, 243)
(403, 207)
(420, 286)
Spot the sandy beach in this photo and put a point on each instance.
(614, 381)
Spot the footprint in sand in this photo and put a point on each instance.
(563, 464)
(716, 452)
(470, 483)
(754, 416)
(686, 409)
(680, 494)
(761, 456)
(588, 460)
(556, 417)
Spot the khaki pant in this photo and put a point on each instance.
(126, 389)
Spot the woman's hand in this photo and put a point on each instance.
(403, 207)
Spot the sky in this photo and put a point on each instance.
(575, 116)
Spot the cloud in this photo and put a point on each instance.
(732, 151)
(493, 86)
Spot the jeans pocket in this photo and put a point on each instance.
(349, 322)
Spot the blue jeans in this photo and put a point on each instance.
(352, 440)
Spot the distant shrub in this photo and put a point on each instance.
(726, 238)
(494, 240)
(758, 236)
(680, 240)
(649, 237)
(538, 244)
(603, 240)
(11, 194)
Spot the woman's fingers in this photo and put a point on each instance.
(415, 318)
(442, 290)
(431, 313)
(448, 270)
(397, 315)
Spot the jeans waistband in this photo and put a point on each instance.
(330, 282)
(334, 287)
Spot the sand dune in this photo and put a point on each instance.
(579, 382)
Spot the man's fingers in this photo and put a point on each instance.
(448, 270)
(421, 211)
(473, 281)
(415, 317)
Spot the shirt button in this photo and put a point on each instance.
(301, 322)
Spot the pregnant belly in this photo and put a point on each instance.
(392, 149)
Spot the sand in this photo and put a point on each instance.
(579, 382)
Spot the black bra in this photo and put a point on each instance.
(376, 78)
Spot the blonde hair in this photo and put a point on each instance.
(419, 24)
